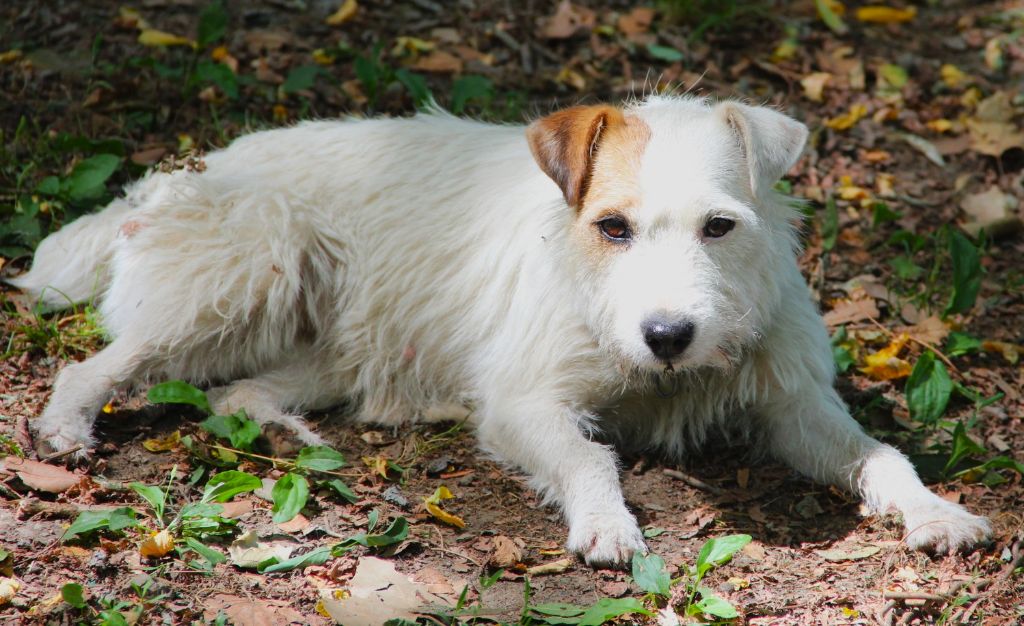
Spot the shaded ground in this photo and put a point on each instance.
(81, 74)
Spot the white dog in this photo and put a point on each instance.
(628, 271)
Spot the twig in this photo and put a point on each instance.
(693, 482)
(276, 461)
(914, 595)
(33, 506)
(63, 453)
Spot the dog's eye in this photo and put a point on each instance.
(615, 229)
(718, 227)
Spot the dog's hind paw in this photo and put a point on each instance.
(944, 527)
(606, 539)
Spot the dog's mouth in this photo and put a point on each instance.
(666, 385)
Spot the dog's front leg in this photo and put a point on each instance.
(814, 432)
(548, 440)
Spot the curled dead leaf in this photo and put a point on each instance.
(847, 120)
(165, 443)
(9, 587)
(554, 567)
(345, 12)
(157, 545)
(433, 506)
(569, 19)
(886, 364)
(505, 552)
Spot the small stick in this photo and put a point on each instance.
(58, 455)
(693, 482)
(914, 595)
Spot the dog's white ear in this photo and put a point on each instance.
(565, 143)
(772, 142)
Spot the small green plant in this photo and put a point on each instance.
(110, 610)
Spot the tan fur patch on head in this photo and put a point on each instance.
(564, 145)
(614, 189)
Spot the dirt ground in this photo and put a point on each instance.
(77, 67)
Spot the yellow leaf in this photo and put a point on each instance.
(953, 76)
(885, 15)
(379, 464)
(280, 113)
(131, 18)
(108, 408)
(571, 78)
(940, 125)
(157, 545)
(886, 364)
(8, 587)
(1010, 351)
(850, 613)
(345, 12)
(738, 583)
(433, 506)
(10, 56)
(847, 120)
(185, 143)
(160, 39)
(323, 57)
(410, 46)
(163, 444)
(971, 97)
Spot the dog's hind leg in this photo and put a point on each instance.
(80, 391)
(549, 440)
(273, 399)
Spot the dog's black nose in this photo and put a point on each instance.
(667, 338)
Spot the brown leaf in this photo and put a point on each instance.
(636, 22)
(505, 552)
(929, 330)
(568, 20)
(42, 476)
(376, 594)
(993, 211)
(294, 525)
(234, 509)
(849, 311)
(251, 612)
(994, 138)
(439, 61)
(554, 567)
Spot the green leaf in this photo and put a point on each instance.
(87, 180)
(213, 22)
(416, 85)
(840, 353)
(712, 604)
(228, 484)
(49, 186)
(220, 75)
(894, 75)
(396, 532)
(112, 617)
(665, 53)
(341, 489)
(928, 389)
(609, 608)
(905, 267)
(369, 75)
(881, 213)
(212, 556)
(73, 594)
(290, 493)
(719, 550)
(829, 225)
(830, 18)
(486, 582)
(241, 431)
(962, 447)
(317, 556)
(301, 78)
(179, 392)
(650, 574)
(155, 496)
(89, 521)
(967, 273)
(959, 344)
(319, 458)
(471, 88)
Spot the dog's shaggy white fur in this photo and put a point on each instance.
(548, 280)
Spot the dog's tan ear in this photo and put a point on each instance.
(565, 143)
(772, 142)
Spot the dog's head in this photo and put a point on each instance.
(679, 240)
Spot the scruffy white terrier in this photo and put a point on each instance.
(623, 271)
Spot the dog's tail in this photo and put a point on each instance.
(70, 266)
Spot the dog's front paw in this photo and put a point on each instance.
(943, 527)
(606, 539)
(70, 448)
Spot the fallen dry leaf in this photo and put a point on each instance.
(568, 20)
(250, 612)
(42, 476)
(377, 593)
(636, 22)
(433, 506)
(847, 120)
(505, 552)
(233, 509)
(814, 85)
(554, 567)
(992, 210)
(170, 440)
(849, 311)
(886, 364)
(439, 61)
(925, 147)
(345, 12)
(8, 588)
(248, 552)
(994, 138)
(930, 330)
(885, 15)
(157, 544)
(1010, 351)
(160, 39)
(996, 108)
(839, 555)
(295, 524)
